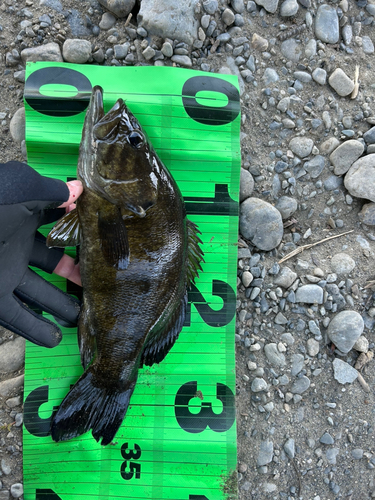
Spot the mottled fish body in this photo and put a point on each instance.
(138, 254)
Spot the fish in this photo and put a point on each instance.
(138, 255)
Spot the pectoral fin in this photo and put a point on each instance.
(66, 232)
(164, 334)
(194, 254)
(114, 240)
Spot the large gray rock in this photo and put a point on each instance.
(18, 126)
(327, 24)
(265, 453)
(170, 19)
(269, 5)
(12, 355)
(77, 51)
(342, 263)
(301, 146)
(344, 330)
(10, 385)
(345, 155)
(343, 372)
(273, 355)
(360, 179)
(121, 8)
(309, 294)
(246, 184)
(48, 52)
(340, 82)
(261, 223)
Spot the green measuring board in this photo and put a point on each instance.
(178, 438)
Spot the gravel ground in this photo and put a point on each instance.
(304, 332)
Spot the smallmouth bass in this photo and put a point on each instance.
(138, 254)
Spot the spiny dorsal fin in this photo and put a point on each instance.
(66, 232)
(195, 253)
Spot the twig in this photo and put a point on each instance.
(128, 20)
(363, 383)
(354, 93)
(370, 284)
(310, 245)
(298, 476)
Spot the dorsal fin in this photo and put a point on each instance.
(194, 254)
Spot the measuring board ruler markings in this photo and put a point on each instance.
(178, 438)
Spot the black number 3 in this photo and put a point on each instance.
(195, 423)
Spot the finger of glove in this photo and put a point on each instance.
(18, 318)
(37, 292)
(43, 257)
(22, 184)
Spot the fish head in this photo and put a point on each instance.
(117, 158)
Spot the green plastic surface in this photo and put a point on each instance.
(178, 439)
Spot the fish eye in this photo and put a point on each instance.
(136, 139)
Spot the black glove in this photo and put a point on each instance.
(29, 200)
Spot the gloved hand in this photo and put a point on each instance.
(27, 201)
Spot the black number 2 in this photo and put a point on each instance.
(134, 467)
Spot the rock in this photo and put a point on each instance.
(361, 345)
(298, 362)
(182, 60)
(333, 182)
(343, 372)
(326, 439)
(367, 45)
(327, 24)
(265, 454)
(300, 385)
(291, 49)
(167, 49)
(286, 206)
(18, 126)
(12, 355)
(16, 490)
(369, 136)
(269, 5)
(227, 17)
(344, 330)
(48, 52)
(238, 6)
(360, 179)
(342, 263)
(329, 145)
(289, 8)
(13, 402)
(170, 19)
(345, 155)
(285, 278)
(312, 347)
(258, 385)
(259, 43)
(270, 76)
(121, 8)
(331, 455)
(7, 386)
(247, 278)
(357, 453)
(76, 50)
(289, 448)
(315, 166)
(261, 223)
(273, 355)
(121, 51)
(320, 76)
(210, 6)
(5, 467)
(309, 294)
(107, 21)
(301, 146)
(246, 184)
(341, 83)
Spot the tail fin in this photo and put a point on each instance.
(90, 406)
